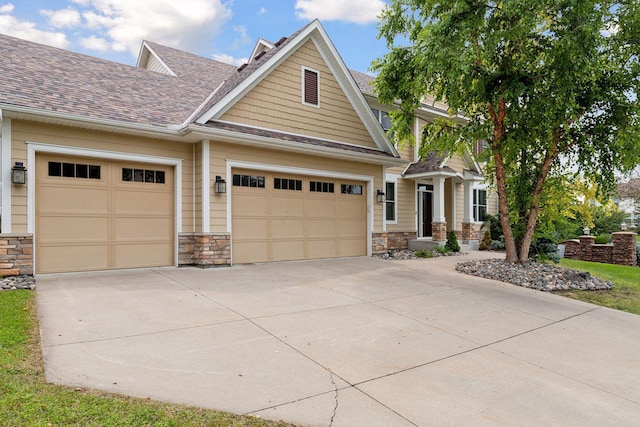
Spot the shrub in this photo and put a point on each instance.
(485, 244)
(452, 242)
(442, 250)
(638, 254)
(603, 239)
(544, 250)
(425, 253)
(498, 245)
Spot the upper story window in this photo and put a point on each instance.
(479, 147)
(310, 87)
(383, 119)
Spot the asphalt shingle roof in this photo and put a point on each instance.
(431, 163)
(282, 136)
(51, 79)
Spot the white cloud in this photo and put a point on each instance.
(262, 11)
(64, 18)
(228, 59)
(187, 24)
(95, 43)
(27, 30)
(7, 8)
(243, 38)
(358, 11)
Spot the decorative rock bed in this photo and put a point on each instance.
(543, 277)
(17, 282)
(401, 254)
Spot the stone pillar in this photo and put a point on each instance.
(584, 252)
(205, 249)
(624, 248)
(439, 231)
(380, 243)
(16, 254)
(468, 232)
(439, 221)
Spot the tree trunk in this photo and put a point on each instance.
(534, 206)
(497, 119)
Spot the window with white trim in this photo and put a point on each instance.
(383, 118)
(479, 205)
(310, 87)
(390, 203)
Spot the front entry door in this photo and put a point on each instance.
(425, 214)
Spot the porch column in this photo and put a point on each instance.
(468, 230)
(439, 222)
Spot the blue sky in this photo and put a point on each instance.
(221, 29)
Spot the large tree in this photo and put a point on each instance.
(547, 84)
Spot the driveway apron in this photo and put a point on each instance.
(344, 342)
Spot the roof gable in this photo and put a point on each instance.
(249, 76)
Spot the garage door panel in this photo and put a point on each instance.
(350, 209)
(253, 251)
(321, 228)
(287, 250)
(287, 206)
(73, 200)
(351, 247)
(320, 208)
(141, 228)
(243, 203)
(56, 259)
(318, 248)
(250, 228)
(292, 228)
(146, 254)
(141, 202)
(55, 228)
(350, 227)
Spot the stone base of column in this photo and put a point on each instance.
(468, 232)
(439, 231)
(204, 250)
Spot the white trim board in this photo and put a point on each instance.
(5, 168)
(36, 147)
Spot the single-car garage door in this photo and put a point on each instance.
(278, 217)
(94, 214)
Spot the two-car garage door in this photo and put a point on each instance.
(279, 217)
(94, 214)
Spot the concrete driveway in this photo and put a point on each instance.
(347, 342)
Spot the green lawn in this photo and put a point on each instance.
(626, 293)
(27, 400)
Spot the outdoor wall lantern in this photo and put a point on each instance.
(623, 226)
(380, 196)
(18, 173)
(220, 186)
(586, 231)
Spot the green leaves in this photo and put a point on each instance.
(540, 80)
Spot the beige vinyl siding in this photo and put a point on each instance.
(276, 103)
(406, 206)
(221, 152)
(457, 163)
(23, 131)
(406, 152)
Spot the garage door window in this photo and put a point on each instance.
(287, 184)
(248, 181)
(74, 170)
(321, 187)
(351, 189)
(143, 175)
